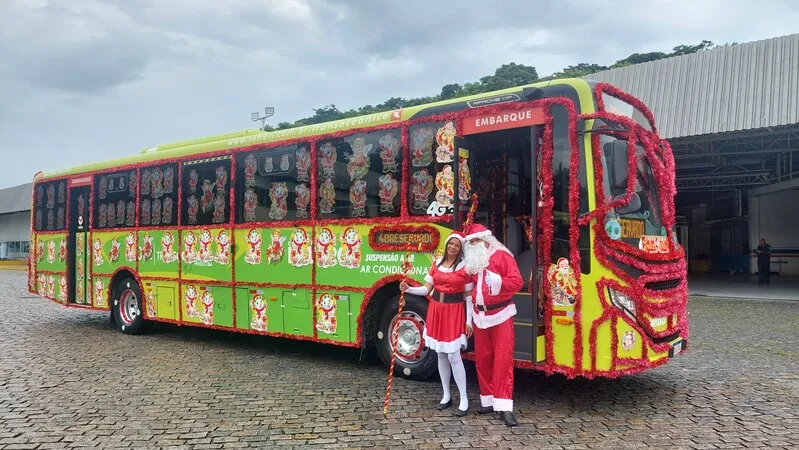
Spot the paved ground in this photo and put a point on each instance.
(68, 380)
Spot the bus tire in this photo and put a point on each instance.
(127, 306)
(414, 361)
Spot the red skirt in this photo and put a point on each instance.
(445, 328)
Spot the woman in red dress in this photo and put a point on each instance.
(449, 318)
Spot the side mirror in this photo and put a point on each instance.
(616, 156)
(634, 205)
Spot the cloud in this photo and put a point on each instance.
(87, 80)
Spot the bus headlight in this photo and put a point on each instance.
(623, 302)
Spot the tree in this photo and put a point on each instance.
(505, 76)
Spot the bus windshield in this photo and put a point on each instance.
(642, 215)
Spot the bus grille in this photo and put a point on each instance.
(662, 285)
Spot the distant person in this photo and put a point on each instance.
(763, 262)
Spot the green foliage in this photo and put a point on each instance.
(506, 76)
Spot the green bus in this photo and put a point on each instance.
(300, 233)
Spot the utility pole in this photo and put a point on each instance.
(269, 111)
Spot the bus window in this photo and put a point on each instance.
(431, 168)
(115, 200)
(50, 206)
(561, 174)
(360, 175)
(158, 194)
(274, 184)
(206, 191)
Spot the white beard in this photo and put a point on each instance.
(475, 258)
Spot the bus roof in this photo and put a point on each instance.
(250, 137)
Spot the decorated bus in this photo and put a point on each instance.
(301, 233)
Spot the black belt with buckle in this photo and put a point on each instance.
(485, 308)
(447, 298)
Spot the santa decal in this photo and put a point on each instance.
(168, 253)
(99, 293)
(349, 255)
(207, 313)
(326, 313)
(98, 252)
(130, 247)
(258, 313)
(206, 239)
(189, 254)
(325, 248)
(278, 194)
(51, 252)
(300, 251)
(253, 255)
(563, 283)
(222, 248)
(113, 255)
(358, 198)
(191, 302)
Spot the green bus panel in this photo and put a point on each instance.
(51, 252)
(158, 253)
(259, 309)
(161, 299)
(280, 255)
(206, 254)
(209, 305)
(110, 251)
(344, 258)
(297, 312)
(334, 316)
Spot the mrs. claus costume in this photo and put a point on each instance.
(448, 314)
(493, 312)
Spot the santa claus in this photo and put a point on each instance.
(496, 279)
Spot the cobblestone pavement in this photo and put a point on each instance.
(69, 380)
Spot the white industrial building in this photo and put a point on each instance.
(15, 220)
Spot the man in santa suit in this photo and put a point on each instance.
(496, 279)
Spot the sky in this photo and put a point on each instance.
(84, 81)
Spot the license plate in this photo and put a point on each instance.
(677, 348)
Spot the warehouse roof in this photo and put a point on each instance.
(16, 199)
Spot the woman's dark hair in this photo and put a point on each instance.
(458, 258)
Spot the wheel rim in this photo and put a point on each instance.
(129, 306)
(410, 340)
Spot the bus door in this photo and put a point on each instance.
(78, 245)
(503, 162)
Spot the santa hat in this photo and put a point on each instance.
(476, 231)
(455, 235)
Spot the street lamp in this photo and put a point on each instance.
(269, 111)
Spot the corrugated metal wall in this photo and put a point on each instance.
(741, 87)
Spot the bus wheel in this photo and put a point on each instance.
(127, 306)
(414, 361)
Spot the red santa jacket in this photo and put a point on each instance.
(501, 264)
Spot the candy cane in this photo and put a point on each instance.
(406, 266)
(472, 210)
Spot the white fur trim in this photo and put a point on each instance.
(482, 320)
(457, 345)
(459, 266)
(477, 235)
(487, 400)
(428, 279)
(469, 286)
(503, 404)
(454, 236)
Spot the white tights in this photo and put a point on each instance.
(450, 364)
